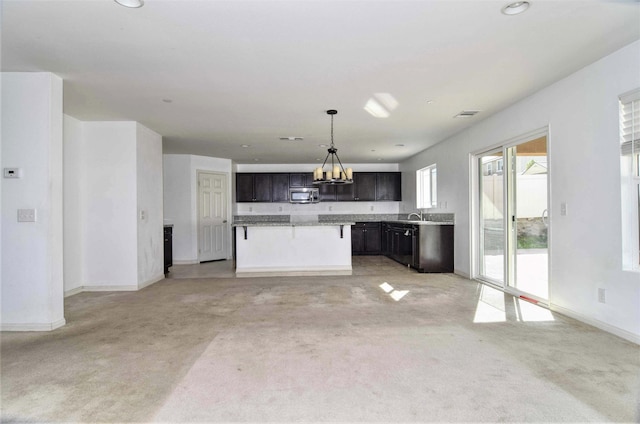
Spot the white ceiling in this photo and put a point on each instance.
(249, 72)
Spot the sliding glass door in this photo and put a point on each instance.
(513, 225)
(492, 222)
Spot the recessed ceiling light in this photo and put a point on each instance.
(292, 138)
(429, 102)
(167, 100)
(399, 145)
(256, 160)
(130, 3)
(515, 8)
(373, 150)
(323, 145)
(245, 145)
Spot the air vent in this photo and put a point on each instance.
(466, 114)
(292, 138)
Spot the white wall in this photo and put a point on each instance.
(74, 251)
(177, 205)
(110, 194)
(32, 255)
(181, 200)
(150, 213)
(584, 158)
(113, 172)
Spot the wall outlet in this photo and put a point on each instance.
(12, 172)
(143, 215)
(601, 295)
(371, 208)
(26, 215)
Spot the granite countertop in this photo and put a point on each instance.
(406, 221)
(289, 224)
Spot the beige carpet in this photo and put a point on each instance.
(317, 349)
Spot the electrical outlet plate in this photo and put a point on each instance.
(12, 172)
(601, 295)
(26, 215)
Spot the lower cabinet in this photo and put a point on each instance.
(433, 248)
(426, 248)
(366, 238)
(168, 248)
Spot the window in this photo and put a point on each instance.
(630, 172)
(426, 184)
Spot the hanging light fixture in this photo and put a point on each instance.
(336, 174)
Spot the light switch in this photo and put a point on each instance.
(26, 215)
(563, 209)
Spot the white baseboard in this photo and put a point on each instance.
(152, 281)
(33, 326)
(82, 289)
(634, 338)
(462, 274)
(73, 291)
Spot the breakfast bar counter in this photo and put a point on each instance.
(292, 249)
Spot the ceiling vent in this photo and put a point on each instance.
(466, 114)
(292, 138)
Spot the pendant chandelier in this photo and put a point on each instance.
(336, 174)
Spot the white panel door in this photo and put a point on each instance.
(212, 216)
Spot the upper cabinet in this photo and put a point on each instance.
(274, 187)
(388, 186)
(262, 187)
(303, 179)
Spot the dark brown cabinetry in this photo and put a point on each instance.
(366, 238)
(244, 188)
(280, 187)
(262, 187)
(426, 248)
(168, 248)
(363, 188)
(388, 186)
(274, 187)
(398, 242)
(302, 179)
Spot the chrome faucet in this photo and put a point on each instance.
(419, 215)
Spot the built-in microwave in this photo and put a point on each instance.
(303, 195)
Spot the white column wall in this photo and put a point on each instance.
(32, 252)
(74, 217)
(150, 214)
(110, 225)
(584, 147)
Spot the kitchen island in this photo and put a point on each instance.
(292, 249)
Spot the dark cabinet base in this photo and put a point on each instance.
(426, 248)
(365, 238)
(168, 249)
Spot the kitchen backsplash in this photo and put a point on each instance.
(324, 208)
